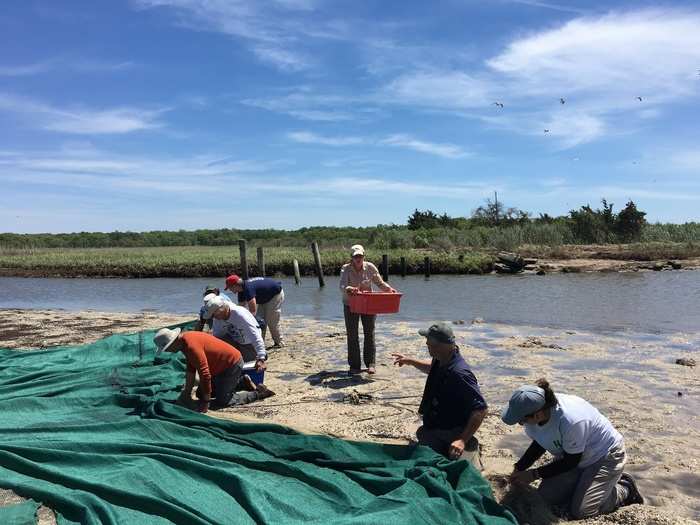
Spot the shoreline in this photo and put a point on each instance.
(620, 374)
(208, 261)
(542, 267)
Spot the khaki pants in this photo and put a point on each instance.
(271, 311)
(440, 440)
(589, 491)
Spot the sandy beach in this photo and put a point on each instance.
(631, 378)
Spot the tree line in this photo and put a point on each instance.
(491, 225)
(587, 225)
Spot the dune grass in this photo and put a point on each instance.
(202, 261)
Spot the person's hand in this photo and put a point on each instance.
(400, 359)
(203, 406)
(456, 449)
(352, 290)
(260, 365)
(522, 477)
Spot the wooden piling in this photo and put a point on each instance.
(297, 275)
(261, 261)
(385, 267)
(244, 258)
(426, 266)
(403, 266)
(317, 262)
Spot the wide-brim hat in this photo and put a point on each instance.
(164, 338)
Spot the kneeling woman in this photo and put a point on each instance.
(586, 475)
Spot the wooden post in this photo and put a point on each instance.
(426, 266)
(261, 261)
(403, 266)
(385, 267)
(317, 261)
(244, 259)
(297, 275)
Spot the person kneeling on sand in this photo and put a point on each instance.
(452, 406)
(587, 474)
(237, 326)
(219, 365)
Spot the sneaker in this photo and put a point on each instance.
(633, 495)
(264, 392)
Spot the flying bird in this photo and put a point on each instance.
(639, 98)
(499, 104)
(562, 101)
(546, 131)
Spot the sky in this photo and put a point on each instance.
(184, 114)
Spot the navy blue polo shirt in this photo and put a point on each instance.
(451, 394)
(262, 289)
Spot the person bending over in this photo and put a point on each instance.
(587, 475)
(219, 365)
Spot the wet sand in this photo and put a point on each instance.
(631, 378)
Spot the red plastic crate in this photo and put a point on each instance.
(374, 302)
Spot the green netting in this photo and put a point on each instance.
(91, 432)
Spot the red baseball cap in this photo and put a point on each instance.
(231, 280)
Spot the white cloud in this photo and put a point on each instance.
(273, 29)
(306, 105)
(440, 90)
(307, 137)
(598, 64)
(448, 151)
(90, 169)
(687, 160)
(283, 59)
(25, 69)
(83, 65)
(80, 120)
(549, 5)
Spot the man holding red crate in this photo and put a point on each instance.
(452, 406)
(358, 276)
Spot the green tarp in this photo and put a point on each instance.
(91, 431)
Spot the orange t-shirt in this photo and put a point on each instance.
(209, 356)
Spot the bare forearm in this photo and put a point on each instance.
(422, 365)
(189, 385)
(475, 420)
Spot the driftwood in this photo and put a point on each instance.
(513, 263)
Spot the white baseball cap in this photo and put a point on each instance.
(356, 249)
(212, 303)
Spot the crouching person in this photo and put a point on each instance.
(587, 475)
(452, 406)
(220, 368)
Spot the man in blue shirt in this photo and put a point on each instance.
(263, 297)
(452, 406)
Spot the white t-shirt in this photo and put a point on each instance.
(576, 426)
(241, 327)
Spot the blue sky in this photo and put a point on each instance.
(169, 114)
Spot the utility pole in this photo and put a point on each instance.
(495, 194)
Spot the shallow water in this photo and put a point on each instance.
(648, 302)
